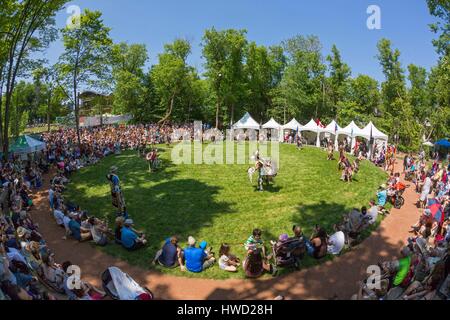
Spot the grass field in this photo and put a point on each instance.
(218, 204)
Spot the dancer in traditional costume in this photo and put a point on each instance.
(118, 200)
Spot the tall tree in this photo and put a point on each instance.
(84, 61)
(339, 74)
(27, 26)
(304, 79)
(224, 53)
(396, 106)
(362, 103)
(417, 94)
(171, 75)
(128, 77)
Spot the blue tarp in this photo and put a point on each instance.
(443, 143)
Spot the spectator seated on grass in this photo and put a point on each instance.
(336, 242)
(256, 240)
(298, 242)
(170, 256)
(196, 259)
(255, 264)
(227, 261)
(382, 196)
(99, 231)
(372, 213)
(355, 222)
(130, 239)
(51, 273)
(317, 246)
(77, 232)
(118, 230)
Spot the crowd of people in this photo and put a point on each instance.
(28, 267)
(421, 272)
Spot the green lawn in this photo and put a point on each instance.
(218, 204)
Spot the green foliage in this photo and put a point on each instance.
(339, 74)
(86, 49)
(441, 10)
(129, 78)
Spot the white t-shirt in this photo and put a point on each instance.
(59, 217)
(373, 214)
(223, 261)
(336, 243)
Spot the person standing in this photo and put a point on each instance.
(118, 200)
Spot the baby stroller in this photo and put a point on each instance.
(288, 252)
(396, 196)
(120, 286)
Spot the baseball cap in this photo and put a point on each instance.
(129, 222)
(203, 245)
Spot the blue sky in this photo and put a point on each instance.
(268, 22)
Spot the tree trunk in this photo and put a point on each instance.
(217, 114)
(49, 102)
(169, 111)
(232, 115)
(77, 101)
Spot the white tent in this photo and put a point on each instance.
(313, 127)
(247, 122)
(352, 131)
(272, 124)
(293, 125)
(371, 131)
(332, 128)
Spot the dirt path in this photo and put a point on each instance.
(337, 278)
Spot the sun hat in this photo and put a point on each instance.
(129, 222)
(191, 241)
(383, 186)
(21, 232)
(203, 245)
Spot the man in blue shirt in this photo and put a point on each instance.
(196, 259)
(77, 232)
(130, 239)
(170, 254)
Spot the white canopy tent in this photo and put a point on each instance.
(293, 125)
(272, 124)
(352, 131)
(371, 131)
(313, 127)
(247, 122)
(332, 128)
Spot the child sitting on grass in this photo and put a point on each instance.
(227, 261)
(255, 240)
